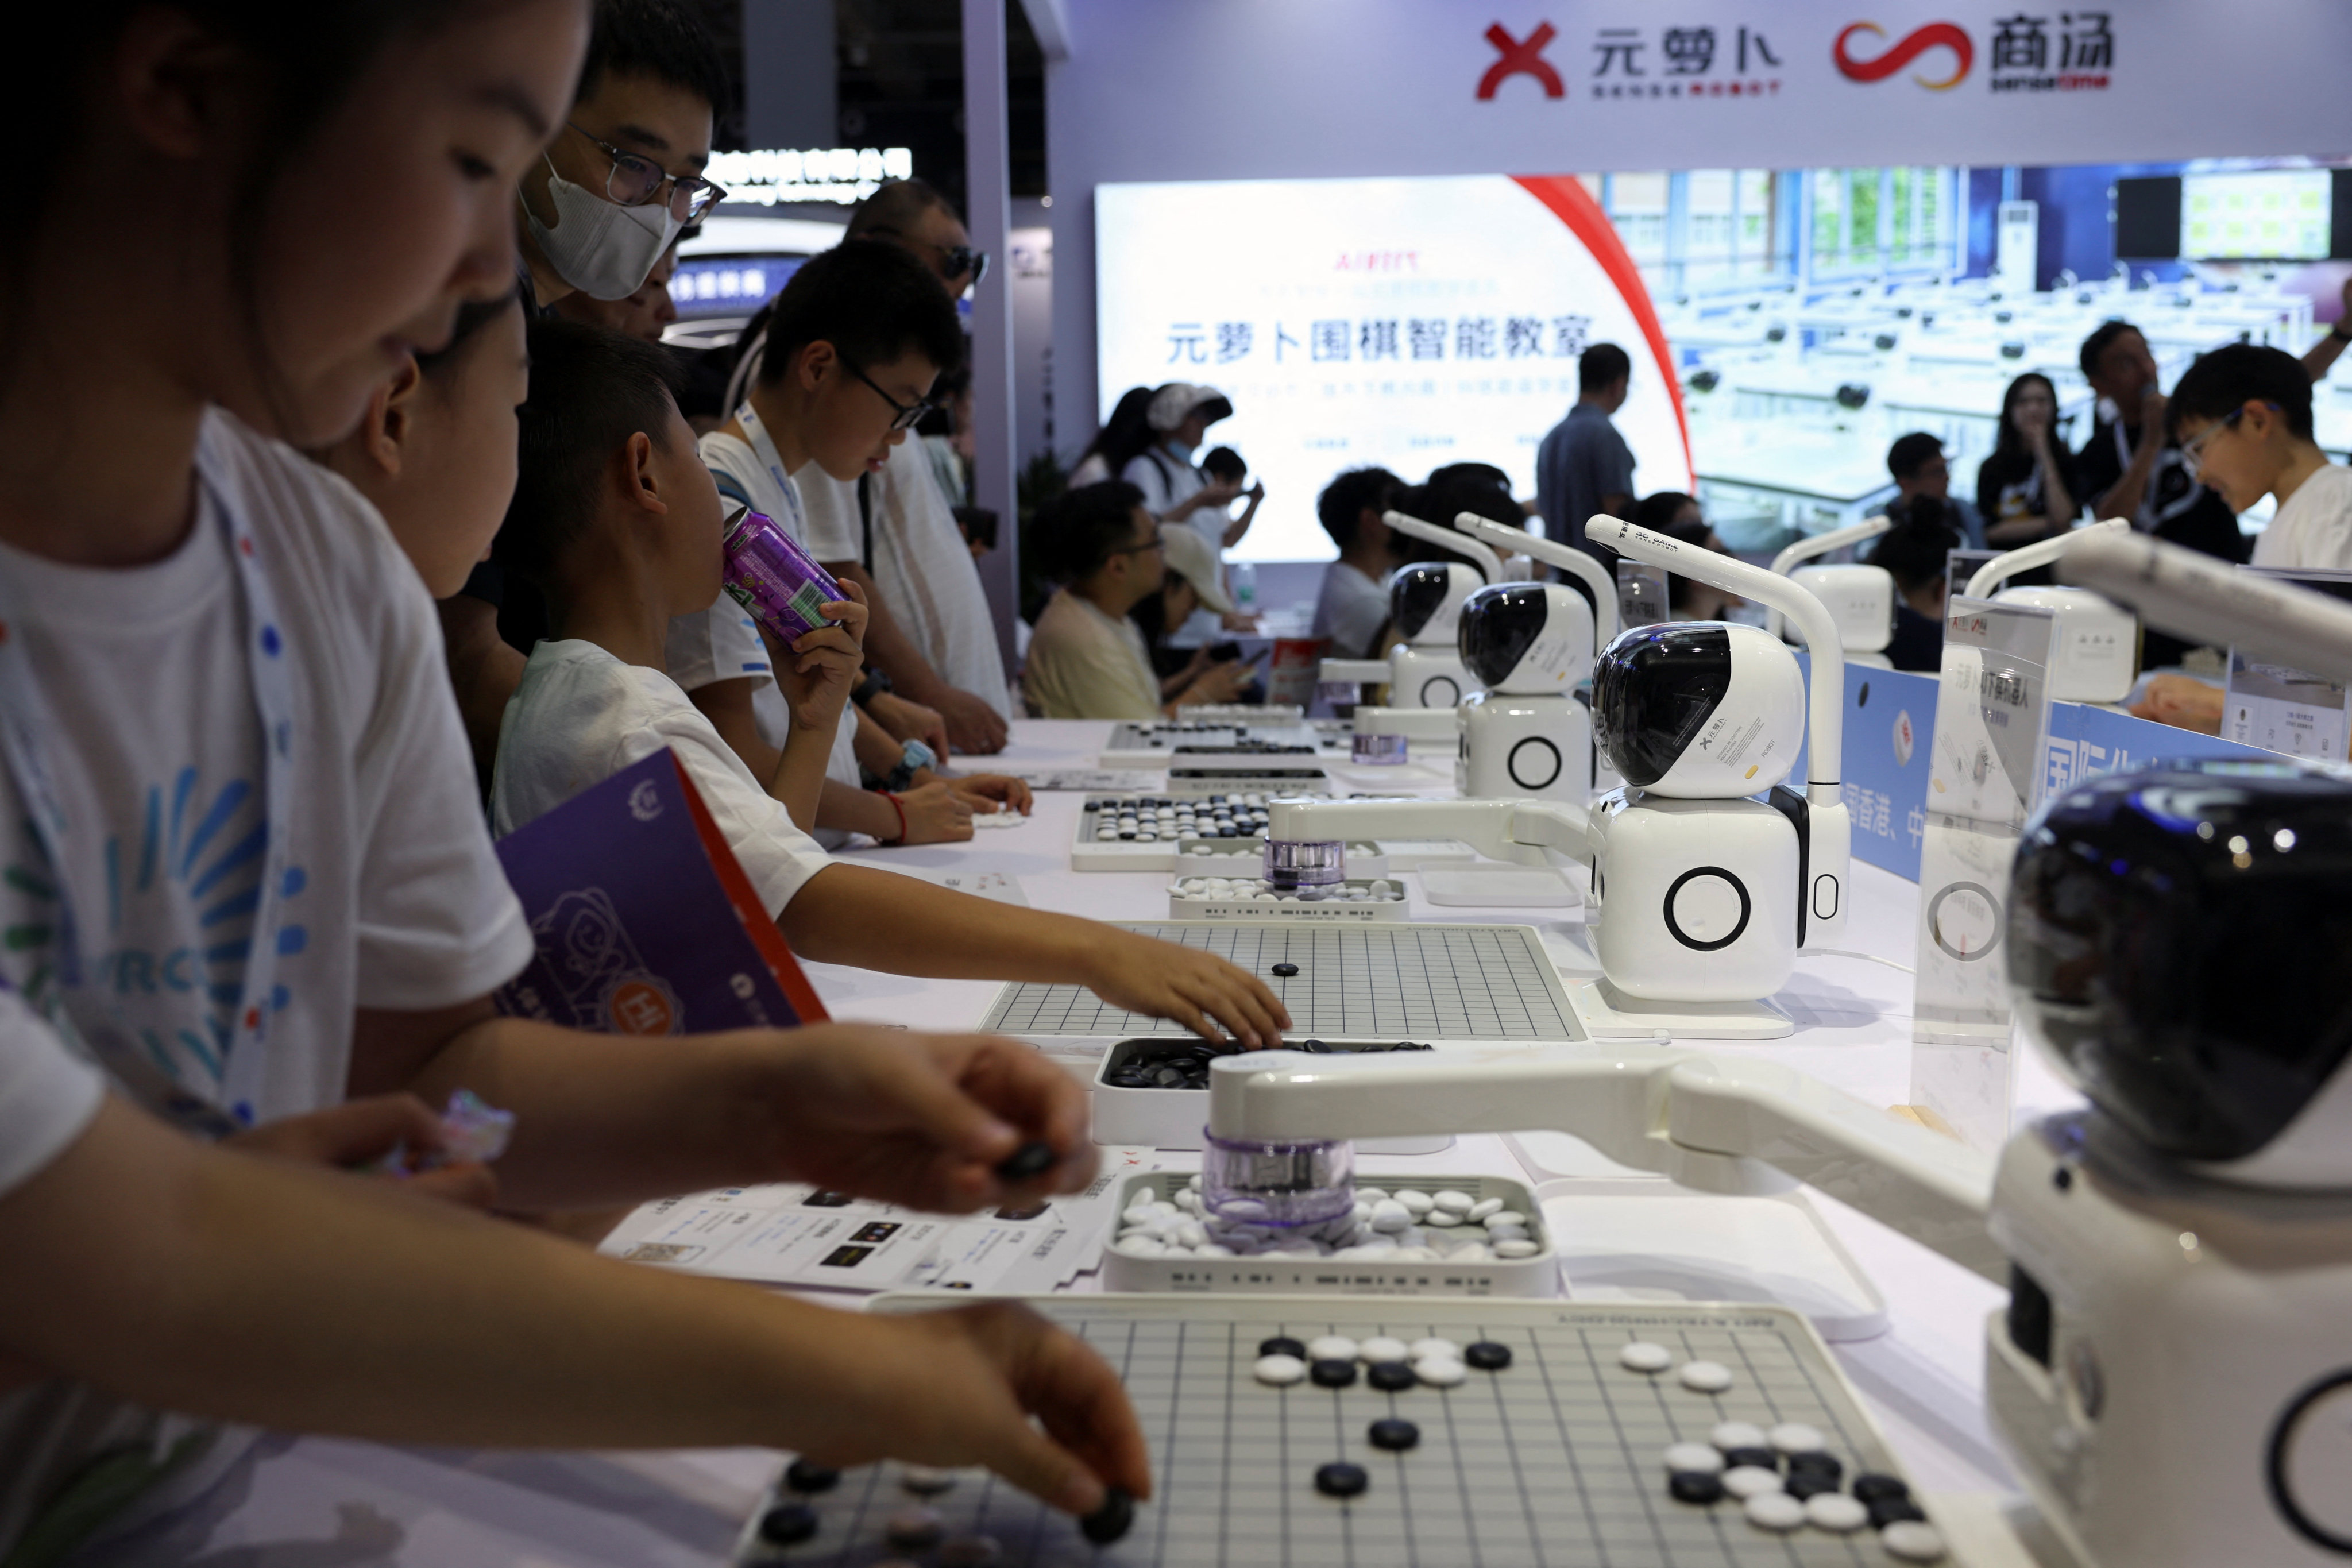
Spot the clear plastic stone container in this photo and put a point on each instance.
(1293, 863)
(1285, 1186)
(1383, 751)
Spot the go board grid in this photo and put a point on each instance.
(1398, 982)
(1554, 1462)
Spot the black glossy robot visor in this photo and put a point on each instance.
(1415, 594)
(1499, 624)
(1651, 691)
(2182, 941)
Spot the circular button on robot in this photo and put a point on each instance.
(1534, 764)
(2311, 1456)
(1440, 691)
(1706, 909)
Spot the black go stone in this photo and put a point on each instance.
(1818, 1463)
(1341, 1479)
(1389, 1376)
(1869, 1486)
(788, 1524)
(1332, 1373)
(1285, 969)
(1032, 1159)
(1802, 1484)
(1487, 1356)
(800, 1476)
(1889, 1510)
(1762, 1459)
(1395, 1435)
(1282, 1344)
(1114, 1519)
(1695, 1485)
(1316, 1047)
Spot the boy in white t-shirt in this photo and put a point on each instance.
(2242, 414)
(617, 521)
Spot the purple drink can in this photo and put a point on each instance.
(774, 578)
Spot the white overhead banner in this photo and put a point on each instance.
(1253, 89)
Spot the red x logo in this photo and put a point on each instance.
(1521, 59)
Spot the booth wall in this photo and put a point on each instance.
(1227, 90)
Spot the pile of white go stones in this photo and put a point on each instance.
(1401, 1227)
(1258, 890)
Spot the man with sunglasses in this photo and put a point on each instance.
(623, 172)
(893, 531)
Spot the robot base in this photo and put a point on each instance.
(1608, 1014)
(1427, 677)
(1539, 747)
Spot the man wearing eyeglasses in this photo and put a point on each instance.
(894, 532)
(623, 172)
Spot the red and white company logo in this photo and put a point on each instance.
(1909, 48)
(1521, 58)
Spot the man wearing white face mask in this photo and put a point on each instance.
(623, 172)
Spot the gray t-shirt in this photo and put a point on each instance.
(1582, 459)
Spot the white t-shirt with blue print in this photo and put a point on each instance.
(391, 896)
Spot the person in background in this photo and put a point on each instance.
(2320, 358)
(1193, 582)
(1224, 466)
(1122, 439)
(893, 530)
(2132, 467)
(643, 314)
(1176, 492)
(2026, 489)
(1919, 467)
(1913, 551)
(1088, 658)
(1354, 602)
(946, 434)
(2243, 415)
(1583, 466)
(1677, 517)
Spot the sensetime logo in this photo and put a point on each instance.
(1910, 46)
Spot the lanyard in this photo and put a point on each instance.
(763, 447)
(2151, 515)
(26, 727)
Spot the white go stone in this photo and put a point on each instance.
(1192, 1184)
(1796, 1438)
(1750, 1480)
(1371, 1194)
(1388, 1215)
(1506, 1233)
(1692, 1458)
(1331, 1347)
(1454, 1202)
(1192, 1232)
(1436, 1345)
(1730, 1435)
(1279, 1371)
(1417, 1203)
(1484, 1206)
(1706, 1376)
(925, 1481)
(1477, 1251)
(1836, 1512)
(1505, 1217)
(1641, 1355)
(1515, 1250)
(1415, 1255)
(1381, 1347)
(1912, 1542)
(1774, 1510)
(1139, 1247)
(1212, 1249)
(1441, 1372)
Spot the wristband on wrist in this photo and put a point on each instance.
(873, 685)
(902, 816)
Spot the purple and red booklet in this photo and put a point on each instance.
(644, 922)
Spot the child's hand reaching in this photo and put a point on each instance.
(1197, 989)
(922, 1120)
(955, 1388)
(935, 813)
(993, 793)
(359, 1132)
(819, 671)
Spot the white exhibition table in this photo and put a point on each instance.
(325, 1503)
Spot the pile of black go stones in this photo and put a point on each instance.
(1184, 1064)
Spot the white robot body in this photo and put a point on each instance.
(2174, 1375)
(2093, 648)
(1426, 678)
(1693, 901)
(1539, 747)
(1860, 599)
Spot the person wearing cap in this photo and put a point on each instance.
(1088, 658)
(1177, 491)
(1192, 583)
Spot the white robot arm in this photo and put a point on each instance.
(2040, 552)
(1566, 557)
(1528, 832)
(2198, 596)
(1704, 1120)
(1470, 550)
(1821, 544)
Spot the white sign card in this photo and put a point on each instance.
(2281, 708)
